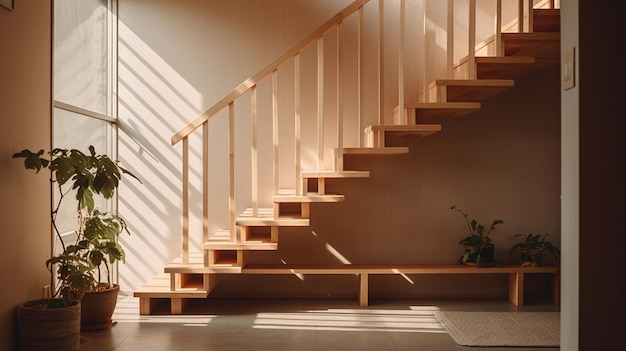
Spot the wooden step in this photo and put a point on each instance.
(315, 181)
(405, 130)
(545, 47)
(546, 20)
(395, 150)
(219, 261)
(378, 135)
(222, 241)
(160, 287)
(152, 293)
(423, 112)
(334, 174)
(265, 217)
(196, 266)
(506, 67)
(500, 67)
(467, 90)
(289, 196)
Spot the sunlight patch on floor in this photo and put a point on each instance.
(375, 320)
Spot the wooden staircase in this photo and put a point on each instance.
(195, 274)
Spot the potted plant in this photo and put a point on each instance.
(83, 268)
(49, 324)
(533, 247)
(478, 245)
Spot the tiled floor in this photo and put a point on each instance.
(302, 325)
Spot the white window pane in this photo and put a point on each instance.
(81, 54)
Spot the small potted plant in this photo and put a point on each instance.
(83, 267)
(478, 245)
(533, 247)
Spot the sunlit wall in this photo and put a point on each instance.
(176, 59)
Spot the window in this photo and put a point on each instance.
(84, 88)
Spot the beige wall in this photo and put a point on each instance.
(570, 187)
(24, 123)
(177, 59)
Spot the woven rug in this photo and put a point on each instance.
(510, 329)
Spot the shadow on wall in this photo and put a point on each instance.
(502, 161)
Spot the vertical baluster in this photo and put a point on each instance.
(530, 15)
(185, 199)
(401, 116)
(297, 118)
(255, 153)
(339, 156)
(498, 39)
(472, 41)
(381, 60)
(275, 130)
(231, 170)
(425, 90)
(520, 16)
(205, 181)
(450, 38)
(320, 103)
(360, 90)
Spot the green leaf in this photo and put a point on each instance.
(85, 199)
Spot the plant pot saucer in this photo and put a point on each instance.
(98, 326)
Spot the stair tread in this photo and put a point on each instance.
(426, 128)
(221, 241)
(159, 287)
(309, 197)
(507, 67)
(532, 36)
(434, 111)
(505, 60)
(442, 105)
(196, 266)
(335, 174)
(265, 217)
(428, 112)
(473, 82)
(395, 150)
(472, 90)
(544, 46)
(246, 245)
(401, 131)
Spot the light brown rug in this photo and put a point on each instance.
(512, 329)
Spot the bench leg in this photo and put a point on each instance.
(556, 288)
(516, 288)
(363, 289)
(144, 306)
(176, 306)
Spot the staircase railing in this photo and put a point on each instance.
(250, 84)
(293, 54)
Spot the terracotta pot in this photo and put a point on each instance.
(50, 329)
(98, 307)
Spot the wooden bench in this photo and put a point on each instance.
(516, 278)
(516, 274)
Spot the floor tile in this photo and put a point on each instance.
(293, 324)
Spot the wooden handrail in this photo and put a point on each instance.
(267, 70)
